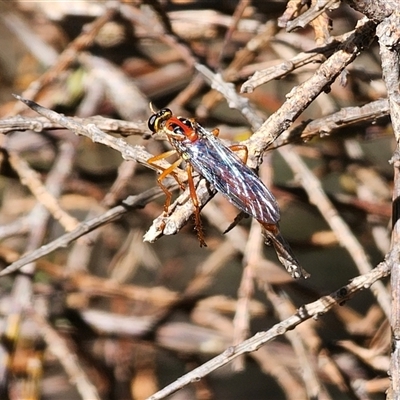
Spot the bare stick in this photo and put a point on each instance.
(315, 309)
(286, 67)
(388, 33)
(313, 12)
(327, 125)
(128, 152)
(39, 124)
(304, 94)
(137, 201)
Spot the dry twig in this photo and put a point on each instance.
(315, 309)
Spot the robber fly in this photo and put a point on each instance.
(205, 153)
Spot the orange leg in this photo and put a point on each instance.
(152, 161)
(215, 131)
(162, 156)
(164, 173)
(241, 147)
(197, 218)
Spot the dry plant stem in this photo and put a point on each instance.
(389, 39)
(130, 203)
(293, 8)
(40, 124)
(229, 92)
(313, 12)
(304, 94)
(317, 55)
(68, 359)
(376, 10)
(325, 126)
(346, 238)
(269, 360)
(285, 68)
(128, 152)
(321, 25)
(67, 57)
(315, 309)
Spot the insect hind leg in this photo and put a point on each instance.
(197, 218)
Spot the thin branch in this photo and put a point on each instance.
(325, 126)
(279, 71)
(388, 33)
(311, 310)
(304, 94)
(128, 152)
(228, 90)
(313, 12)
(40, 124)
(130, 203)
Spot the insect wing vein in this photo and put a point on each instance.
(231, 177)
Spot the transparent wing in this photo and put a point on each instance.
(231, 177)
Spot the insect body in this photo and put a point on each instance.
(207, 155)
